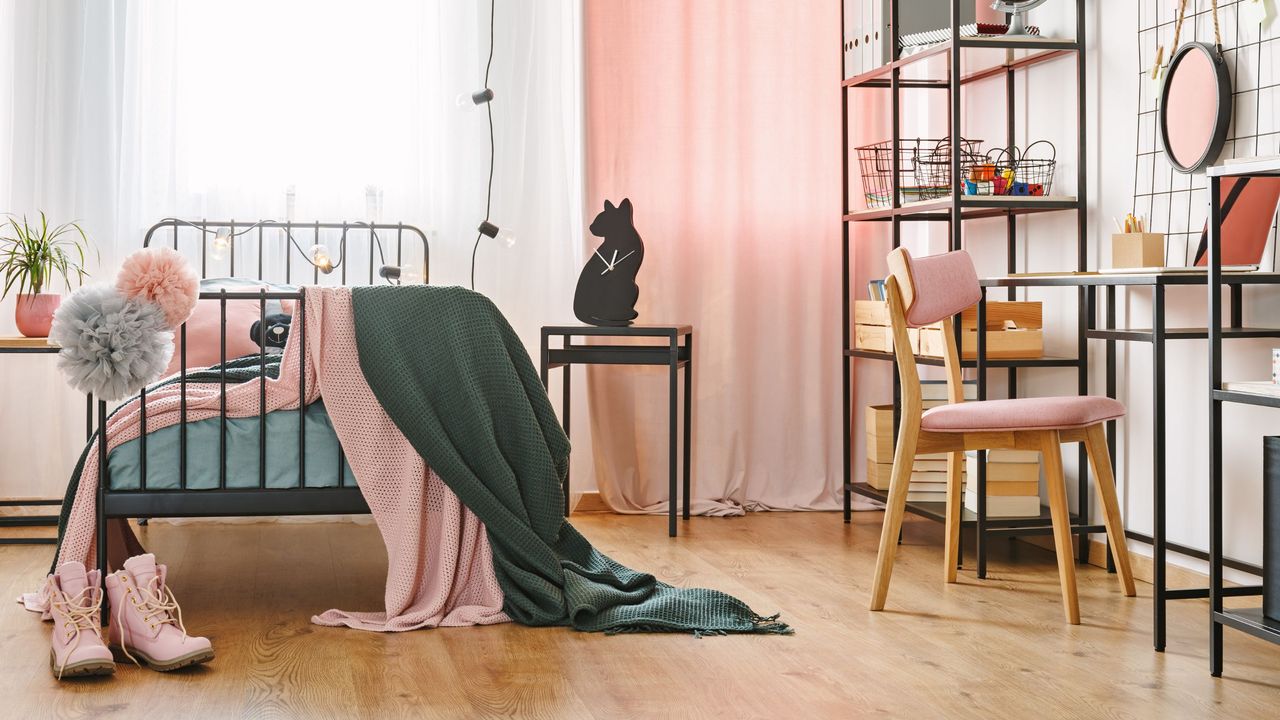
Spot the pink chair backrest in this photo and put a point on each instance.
(942, 285)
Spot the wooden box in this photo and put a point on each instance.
(871, 328)
(1006, 314)
(879, 427)
(1137, 250)
(1001, 344)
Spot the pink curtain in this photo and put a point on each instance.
(720, 119)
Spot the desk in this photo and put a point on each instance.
(34, 346)
(1158, 334)
(673, 354)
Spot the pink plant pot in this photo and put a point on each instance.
(34, 313)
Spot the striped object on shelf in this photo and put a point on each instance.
(930, 37)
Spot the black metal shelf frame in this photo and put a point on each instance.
(1252, 620)
(954, 210)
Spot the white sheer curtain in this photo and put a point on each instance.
(122, 112)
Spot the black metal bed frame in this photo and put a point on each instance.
(346, 498)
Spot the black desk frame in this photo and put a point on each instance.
(1158, 336)
(674, 355)
(1248, 620)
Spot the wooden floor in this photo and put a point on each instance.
(991, 649)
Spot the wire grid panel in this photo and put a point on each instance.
(1178, 204)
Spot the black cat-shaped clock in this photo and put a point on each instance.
(607, 290)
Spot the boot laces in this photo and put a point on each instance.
(157, 606)
(80, 614)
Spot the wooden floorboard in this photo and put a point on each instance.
(978, 649)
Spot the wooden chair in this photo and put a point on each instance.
(927, 290)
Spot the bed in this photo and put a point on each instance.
(270, 464)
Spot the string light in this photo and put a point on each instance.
(469, 100)
(221, 243)
(485, 97)
(319, 255)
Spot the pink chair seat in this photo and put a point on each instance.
(1050, 413)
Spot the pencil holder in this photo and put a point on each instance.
(1137, 250)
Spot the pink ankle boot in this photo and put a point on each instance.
(75, 601)
(146, 621)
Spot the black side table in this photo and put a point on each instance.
(33, 346)
(673, 354)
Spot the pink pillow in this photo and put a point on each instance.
(203, 332)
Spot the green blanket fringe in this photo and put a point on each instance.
(456, 379)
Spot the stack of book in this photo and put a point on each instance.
(1013, 483)
(929, 472)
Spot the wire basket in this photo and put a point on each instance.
(1010, 171)
(924, 169)
(934, 169)
(1037, 173)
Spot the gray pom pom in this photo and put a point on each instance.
(111, 346)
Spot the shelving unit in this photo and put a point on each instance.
(969, 60)
(1249, 620)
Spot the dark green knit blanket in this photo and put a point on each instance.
(456, 380)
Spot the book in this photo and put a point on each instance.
(916, 496)
(1003, 474)
(1028, 506)
(879, 476)
(875, 290)
(937, 487)
(1008, 456)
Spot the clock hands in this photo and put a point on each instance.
(607, 266)
(610, 265)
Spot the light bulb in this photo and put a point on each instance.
(410, 276)
(473, 99)
(221, 243)
(391, 273)
(490, 230)
(320, 258)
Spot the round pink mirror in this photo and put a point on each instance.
(1195, 107)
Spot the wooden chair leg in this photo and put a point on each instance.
(1100, 459)
(955, 477)
(903, 459)
(1051, 450)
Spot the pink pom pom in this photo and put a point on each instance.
(162, 276)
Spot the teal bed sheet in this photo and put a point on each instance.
(163, 446)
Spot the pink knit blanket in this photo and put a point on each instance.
(439, 565)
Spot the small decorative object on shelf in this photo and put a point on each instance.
(607, 290)
(1010, 171)
(32, 257)
(1018, 13)
(1137, 250)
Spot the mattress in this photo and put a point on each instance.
(323, 454)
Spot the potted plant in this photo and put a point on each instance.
(32, 257)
